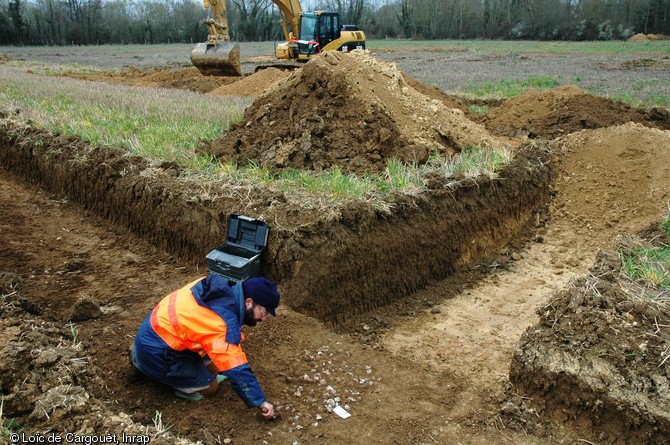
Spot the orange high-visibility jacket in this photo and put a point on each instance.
(184, 324)
(206, 317)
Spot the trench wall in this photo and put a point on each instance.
(590, 394)
(330, 270)
(375, 260)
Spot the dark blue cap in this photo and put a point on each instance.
(263, 292)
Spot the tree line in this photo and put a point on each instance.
(90, 22)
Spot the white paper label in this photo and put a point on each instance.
(341, 412)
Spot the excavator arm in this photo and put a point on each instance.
(218, 56)
(290, 17)
(217, 25)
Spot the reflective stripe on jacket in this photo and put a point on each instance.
(206, 317)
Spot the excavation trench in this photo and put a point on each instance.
(433, 365)
(329, 268)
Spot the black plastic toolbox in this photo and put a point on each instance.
(239, 257)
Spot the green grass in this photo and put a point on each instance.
(665, 224)
(156, 124)
(57, 70)
(160, 427)
(52, 69)
(642, 94)
(508, 88)
(323, 190)
(73, 332)
(651, 266)
(479, 109)
(522, 46)
(7, 426)
(648, 102)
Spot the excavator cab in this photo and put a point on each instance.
(322, 31)
(317, 29)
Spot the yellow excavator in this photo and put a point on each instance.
(307, 34)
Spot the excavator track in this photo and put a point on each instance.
(286, 65)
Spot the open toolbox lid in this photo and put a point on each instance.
(247, 233)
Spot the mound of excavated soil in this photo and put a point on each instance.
(615, 177)
(47, 378)
(187, 79)
(550, 114)
(598, 359)
(346, 110)
(253, 85)
(639, 37)
(592, 363)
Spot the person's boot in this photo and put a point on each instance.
(194, 397)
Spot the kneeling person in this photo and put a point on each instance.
(191, 340)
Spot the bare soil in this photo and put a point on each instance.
(550, 114)
(438, 323)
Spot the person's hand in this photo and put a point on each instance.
(267, 410)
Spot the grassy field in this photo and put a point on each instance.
(635, 72)
(523, 46)
(167, 125)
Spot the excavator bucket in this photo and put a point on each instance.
(221, 59)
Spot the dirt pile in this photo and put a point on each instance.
(48, 381)
(550, 114)
(187, 79)
(253, 85)
(592, 364)
(346, 110)
(647, 37)
(596, 200)
(598, 359)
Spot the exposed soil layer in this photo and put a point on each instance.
(253, 85)
(60, 376)
(597, 358)
(80, 260)
(430, 299)
(467, 335)
(49, 383)
(551, 114)
(614, 179)
(187, 79)
(456, 222)
(350, 111)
